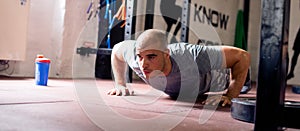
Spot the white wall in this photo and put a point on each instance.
(45, 30)
(294, 26)
(254, 36)
(53, 29)
(45, 27)
(13, 29)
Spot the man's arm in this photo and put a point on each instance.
(119, 68)
(238, 61)
(118, 64)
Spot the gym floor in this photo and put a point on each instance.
(72, 105)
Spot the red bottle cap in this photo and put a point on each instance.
(41, 58)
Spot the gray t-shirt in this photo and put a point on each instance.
(196, 69)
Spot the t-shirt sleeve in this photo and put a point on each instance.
(207, 58)
(216, 57)
(130, 57)
(129, 51)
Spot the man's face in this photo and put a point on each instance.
(152, 62)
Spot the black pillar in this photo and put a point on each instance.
(149, 14)
(271, 83)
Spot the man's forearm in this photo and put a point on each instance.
(119, 66)
(238, 61)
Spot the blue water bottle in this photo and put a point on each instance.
(42, 65)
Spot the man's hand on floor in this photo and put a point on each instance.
(216, 99)
(120, 91)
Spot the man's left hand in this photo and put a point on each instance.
(216, 99)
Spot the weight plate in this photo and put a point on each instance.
(296, 89)
(243, 109)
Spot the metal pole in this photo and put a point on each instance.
(129, 26)
(129, 16)
(270, 89)
(185, 20)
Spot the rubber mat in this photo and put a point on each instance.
(144, 98)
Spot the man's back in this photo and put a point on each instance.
(193, 68)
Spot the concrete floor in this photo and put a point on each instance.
(82, 104)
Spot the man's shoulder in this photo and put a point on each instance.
(126, 44)
(184, 46)
(128, 41)
(177, 45)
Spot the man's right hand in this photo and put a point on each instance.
(120, 90)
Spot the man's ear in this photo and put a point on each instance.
(167, 52)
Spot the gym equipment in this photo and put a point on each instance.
(296, 89)
(185, 20)
(114, 31)
(271, 111)
(272, 70)
(244, 109)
